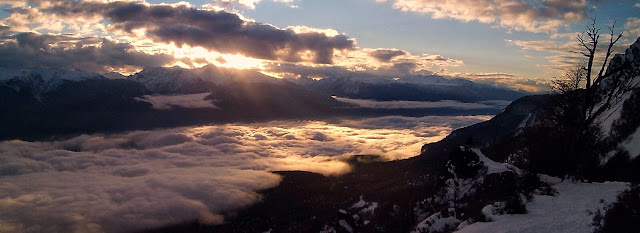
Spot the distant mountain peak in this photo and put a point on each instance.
(189, 81)
(41, 80)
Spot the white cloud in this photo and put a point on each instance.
(633, 28)
(164, 102)
(565, 55)
(535, 16)
(129, 181)
(251, 4)
(507, 81)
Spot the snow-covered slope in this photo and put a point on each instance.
(570, 210)
(619, 122)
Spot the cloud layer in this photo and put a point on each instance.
(221, 31)
(125, 36)
(129, 181)
(528, 15)
(62, 51)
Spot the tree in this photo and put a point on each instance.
(590, 112)
(575, 113)
(570, 80)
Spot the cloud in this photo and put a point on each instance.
(4, 28)
(142, 179)
(164, 102)
(507, 80)
(423, 104)
(84, 53)
(633, 27)
(566, 53)
(219, 31)
(363, 61)
(250, 4)
(534, 16)
(180, 34)
(385, 55)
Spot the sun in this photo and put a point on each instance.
(197, 57)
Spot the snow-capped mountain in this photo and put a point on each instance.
(44, 101)
(171, 80)
(41, 80)
(411, 88)
(174, 80)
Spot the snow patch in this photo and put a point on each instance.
(328, 229)
(436, 223)
(492, 166)
(488, 211)
(632, 144)
(491, 211)
(346, 225)
(359, 204)
(367, 207)
(371, 208)
(457, 189)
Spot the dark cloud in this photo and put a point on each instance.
(385, 55)
(221, 31)
(402, 68)
(89, 54)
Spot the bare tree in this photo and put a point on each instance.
(570, 80)
(574, 114)
(589, 41)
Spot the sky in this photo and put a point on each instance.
(520, 44)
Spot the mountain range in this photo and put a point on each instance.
(49, 101)
(410, 88)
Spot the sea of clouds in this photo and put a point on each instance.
(143, 179)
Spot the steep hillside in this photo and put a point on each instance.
(519, 114)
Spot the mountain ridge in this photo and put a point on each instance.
(409, 88)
